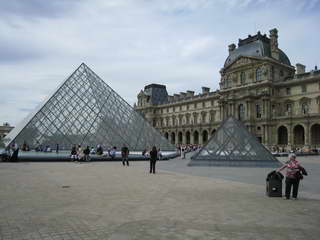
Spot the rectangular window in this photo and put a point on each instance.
(272, 72)
(289, 107)
(258, 111)
(303, 88)
(288, 91)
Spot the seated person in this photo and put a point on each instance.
(113, 153)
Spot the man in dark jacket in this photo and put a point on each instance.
(125, 155)
(153, 159)
(86, 153)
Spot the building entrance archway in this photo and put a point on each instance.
(282, 135)
(298, 134)
(166, 135)
(180, 137)
(315, 134)
(187, 137)
(204, 136)
(173, 138)
(196, 137)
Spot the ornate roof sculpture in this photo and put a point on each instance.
(85, 110)
(233, 146)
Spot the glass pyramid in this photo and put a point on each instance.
(233, 145)
(85, 110)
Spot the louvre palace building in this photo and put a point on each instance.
(277, 102)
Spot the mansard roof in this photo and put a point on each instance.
(255, 46)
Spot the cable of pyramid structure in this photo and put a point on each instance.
(85, 110)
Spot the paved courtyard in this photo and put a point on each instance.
(104, 200)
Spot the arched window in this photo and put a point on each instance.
(258, 74)
(242, 77)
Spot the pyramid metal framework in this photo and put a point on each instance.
(85, 110)
(233, 145)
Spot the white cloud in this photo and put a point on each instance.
(180, 43)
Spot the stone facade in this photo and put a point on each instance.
(4, 130)
(279, 104)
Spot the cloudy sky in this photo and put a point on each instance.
(132, 43)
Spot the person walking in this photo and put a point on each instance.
(293, 176)
(57, 148)
(125, 155)
(86, 153)
(153, 159)
(15, 149)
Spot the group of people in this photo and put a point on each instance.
(294, 170)
(78, 154)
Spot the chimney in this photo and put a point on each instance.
(176, 97)
(183, 94)
(190, 93)
(205, 90)
(231, 47)
(300, 68)
(274, 43)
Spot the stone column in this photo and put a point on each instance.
(307, 134)
(248, 110)
(200, 137)
(191, 137)
(290, 136)
(184, 138)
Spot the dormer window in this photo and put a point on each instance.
(258, 74)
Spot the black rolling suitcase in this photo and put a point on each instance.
(274, 184)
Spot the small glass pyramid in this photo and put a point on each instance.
(233, 145)
(85, 110)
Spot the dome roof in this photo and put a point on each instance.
(256, 46)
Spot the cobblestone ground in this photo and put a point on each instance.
(108, 201)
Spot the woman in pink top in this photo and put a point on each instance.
(293, 167)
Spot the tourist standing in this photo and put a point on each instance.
(15, 149)
(125, 155)
(73, 154)
(86, 153)
(99, 150)
(159, 154)
(153, 159)
(57, 148)
(80, 153)
(293, 176)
